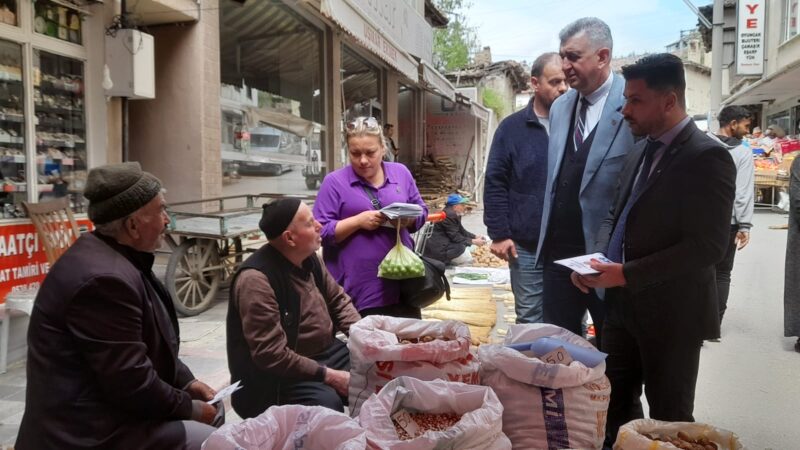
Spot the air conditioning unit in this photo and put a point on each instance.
(130, 58)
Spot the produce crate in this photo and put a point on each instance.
(770, 178)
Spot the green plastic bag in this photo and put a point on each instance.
(401, 262)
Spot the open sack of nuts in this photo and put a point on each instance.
(410, 414)
(290, 427)
(648, 434)
(383, 348)
(547, 405)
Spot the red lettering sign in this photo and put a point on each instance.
(752, 23)
(23, 263)
(752, 8)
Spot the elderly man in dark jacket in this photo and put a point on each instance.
(450, 241)
(103, 368)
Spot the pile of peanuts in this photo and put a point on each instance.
(421, 339)
(427, 422)
(683, 441)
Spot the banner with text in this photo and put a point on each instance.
(23, 263)
(750, 37)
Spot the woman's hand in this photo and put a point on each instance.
(370, 220)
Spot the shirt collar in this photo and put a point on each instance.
(600, 92)
(530, 116)
(141, 260)
(670, 135)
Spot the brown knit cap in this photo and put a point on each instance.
(117, 190)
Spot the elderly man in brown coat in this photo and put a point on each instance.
(103, 368)
(284, 311)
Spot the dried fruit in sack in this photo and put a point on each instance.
(422, 423)
(401, 263)
(421, 339)
(683, 441)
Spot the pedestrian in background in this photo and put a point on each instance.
(791, 290)
(669, 226)
(734, 125)
(516, 172)
(450, 242)
(354, 238)
(589, 141)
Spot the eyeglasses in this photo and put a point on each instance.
(363, 123)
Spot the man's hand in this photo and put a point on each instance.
(479, 241)
(371, 220)
(200, 391)
(203, 412)
(742, 239)
(504, 249)
(339, 380)
(610, 276)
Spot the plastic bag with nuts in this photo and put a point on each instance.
(648, 434)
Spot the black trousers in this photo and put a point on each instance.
(564, 304)
(396, 310)
(724, 269)
(317, 393)
(664, 360)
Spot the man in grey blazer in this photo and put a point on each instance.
(589, 141)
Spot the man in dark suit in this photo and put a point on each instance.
(103, 368)
(668, 228)
(588, 143)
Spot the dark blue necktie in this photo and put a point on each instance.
(580, 123)
(618, 236)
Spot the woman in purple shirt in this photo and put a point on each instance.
(354, 236)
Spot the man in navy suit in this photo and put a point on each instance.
(669, 226)
(589, 141)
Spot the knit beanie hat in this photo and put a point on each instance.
(117, 190)
(277, 216)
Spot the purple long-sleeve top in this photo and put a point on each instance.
(354, 261)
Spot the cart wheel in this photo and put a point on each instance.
(193, 275)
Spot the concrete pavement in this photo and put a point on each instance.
(748, 383)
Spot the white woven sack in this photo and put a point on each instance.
(377, 357)
(546, 405)
(291, 427)
(480, 427)
(630, 436)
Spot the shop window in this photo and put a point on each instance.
(361, 86)
(12, 131)
(57, 21)
(405, 131)
(8, 12)
(272, 98)
(60, 127)
(792, 15)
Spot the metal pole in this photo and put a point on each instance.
(716, 65)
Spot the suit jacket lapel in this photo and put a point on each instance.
(559, 136)
(669, 155)
(607, 127)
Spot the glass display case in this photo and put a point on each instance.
(12, 131)
(57, 21)
(58, 98)
(8, 12)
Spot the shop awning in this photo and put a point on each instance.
(356, 23)
(776, 87)
(435, 81)
(160, 12)
(480, 111)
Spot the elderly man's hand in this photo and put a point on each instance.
(203, 412)
(339, 380)
(200, 391)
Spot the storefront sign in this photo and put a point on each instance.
(402, 23)
(355, 19)
(750, 37)
(437, 81)
(23, 262)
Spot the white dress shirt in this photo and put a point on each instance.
(597, 100)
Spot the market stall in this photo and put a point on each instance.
(772, 160)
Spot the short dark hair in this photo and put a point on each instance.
(733, 112)
(596, 30)
(543, 60)
(661, 72)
